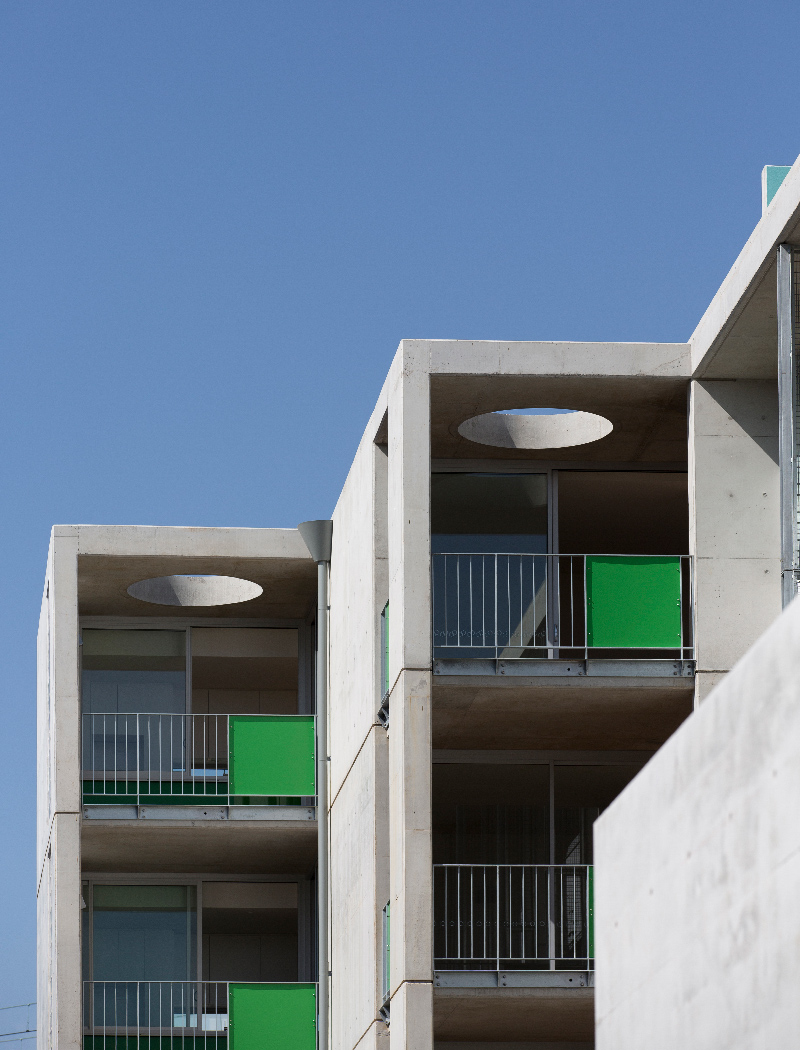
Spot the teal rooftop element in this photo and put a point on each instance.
(771, 180)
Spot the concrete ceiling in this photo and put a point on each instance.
(290, 585)
(748, 348)
(648, 413)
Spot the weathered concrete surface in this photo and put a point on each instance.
(514, 1014)
(59, 938)
(697, 865)
(581, 713)
(409, 705)
(58, 801)
(355, 962)
(359, 866)
(733, 518)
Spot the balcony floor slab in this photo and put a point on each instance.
(258, 847)
(581, 713)
(513, 1014)
(513, 979)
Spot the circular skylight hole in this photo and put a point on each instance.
(536, 428)
(195, 591)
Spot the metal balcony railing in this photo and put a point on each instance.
(573, 606)
(183, 1015)
(155, 1008)
(196, 759)
(513, 917)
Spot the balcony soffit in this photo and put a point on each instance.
(289, 585)
(648, 414)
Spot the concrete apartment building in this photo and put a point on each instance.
(262, 827)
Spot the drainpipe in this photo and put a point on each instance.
(317, 536)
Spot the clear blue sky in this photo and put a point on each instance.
(218, 220)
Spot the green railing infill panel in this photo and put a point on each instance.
(633, 602)
(271, 755)
(272, 1016)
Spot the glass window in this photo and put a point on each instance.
(489, 513)
(133, 672)
(581, 793)
(144, 933)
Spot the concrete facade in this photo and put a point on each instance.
(453, 747)
(697, 918)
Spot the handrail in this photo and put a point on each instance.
(573, 606)
(166, 1008)
(513, 916)
(138, 758)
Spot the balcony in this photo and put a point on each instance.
(574, 613)
(513, 925)
(210, 765)
(120, 1015)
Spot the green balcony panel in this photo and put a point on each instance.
(633, 602)
(272, 1017)
(272, 755)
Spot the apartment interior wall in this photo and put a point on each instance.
(623, 512)
(244, 670)
(250, 931)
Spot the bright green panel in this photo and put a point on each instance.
(272, 755)
(272, 1017)
(633, 602)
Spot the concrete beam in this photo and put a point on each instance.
(742, 283)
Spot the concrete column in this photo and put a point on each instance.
(59, 800)
(411, 876)
(734, 520)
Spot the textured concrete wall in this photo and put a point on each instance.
(58, 801)
(697, 912)
(411, 870)
(734, 519)
(359, 751)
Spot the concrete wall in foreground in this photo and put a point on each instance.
(697, 909)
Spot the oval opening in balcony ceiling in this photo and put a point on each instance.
(537, 428)
(195, 591)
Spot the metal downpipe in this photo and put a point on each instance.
(322, 800)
